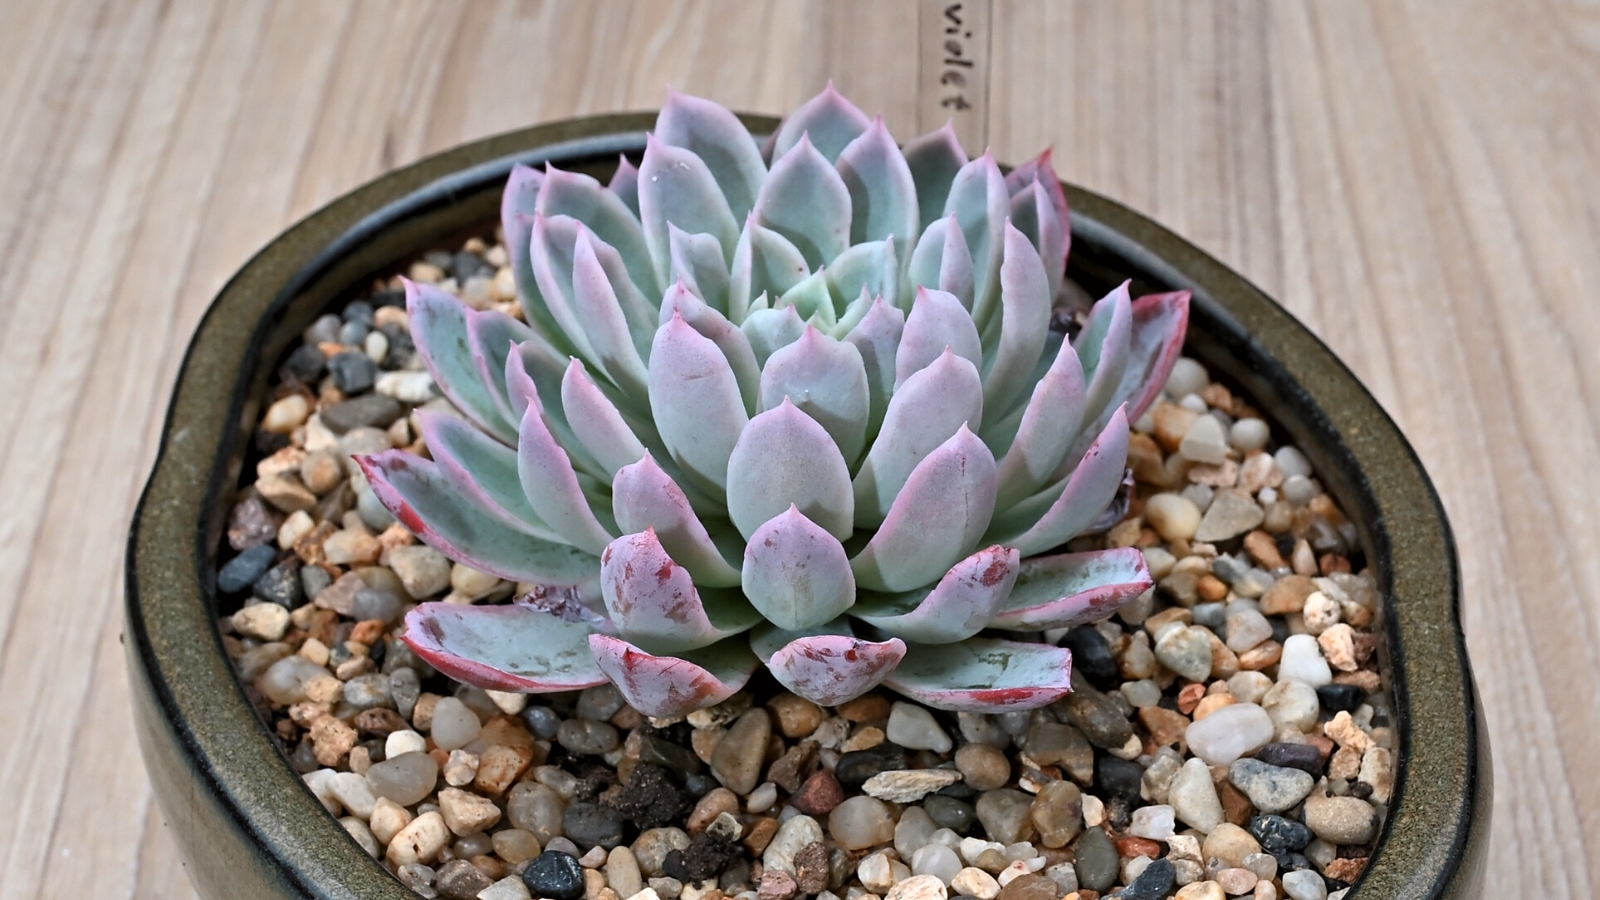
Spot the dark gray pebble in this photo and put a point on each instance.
(555, 875)
(1097, 862)
(1158, 881)
(1118, 777)
(1304, 757)
(1340, 697)
(306, 364)
(948, 812)
(1279, 835)
(375, 410)
(855, 767)
(280, 584)
(352, 370)
(588, 825)
(245, 568)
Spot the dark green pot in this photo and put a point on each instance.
(248, 828)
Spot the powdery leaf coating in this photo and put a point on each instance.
(483, 470)
(938, 323)
(828, 120)
(696, 401)
(930, 407)
(829, 669)
(1072, 589)
(825, 379)
(653, 600)
(552, 487)
(503, 648)
(934, 159)
(596, 422)
(806, 201)
(439, 328)
(676, 186)
(962, 604)
(942, 259)
(582, 198)
(796, 573)
(883, 195)
(645, 497)
(1078, 501)
(983, 675)
(669, 686)
(711, 132)
(784, 460)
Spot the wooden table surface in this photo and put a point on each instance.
(1418, 181)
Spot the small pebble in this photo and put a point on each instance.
(554, 875)
(914, 728)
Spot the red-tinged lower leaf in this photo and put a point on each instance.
(670, 686)
(425, 501)
(958, 607)
(653, 600)
(1056, 515)
(983, 675)
(830, 669)
(1072, 589)
(503, 648)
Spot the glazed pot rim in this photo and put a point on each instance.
(213, 761)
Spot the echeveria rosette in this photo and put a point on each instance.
(800, 408)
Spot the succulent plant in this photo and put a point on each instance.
(802, 403)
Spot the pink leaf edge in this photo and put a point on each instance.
(830, 669)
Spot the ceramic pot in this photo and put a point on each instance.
(245, 823)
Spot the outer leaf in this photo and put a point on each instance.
(938, 323)
(936, 519)
(676, 186)
(957, 608)
(645, 498)
(924, 412)
(1074, 505)
(606, 327)
(667, 687)
(1103, 347)
(934, 160)
(503, 648)
(582, 198)
(552, 486)
(979, 200)
(806, 201)
(516, 222)
(1159, 324)
(830, 121)
(596, 423)
(829, 667)
(769, 330)
(1072, 589)
(1013, 344)
(765, 262)
(796, 573)
(1050, 424)
(942, 260)
(869, 267)
(426, 502)
(826, 380)
(439, 328)
(877, 338)
(482, 471)
(654, 603)
(883, 195)
(625, 184)
(783, 460)
(984, 676)
(715, 327)
(697, 404)
(711, 132)
(490, 336)
(697, 261)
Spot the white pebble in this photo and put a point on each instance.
(454, 725)
(1292, 462)
(1292, 703)
(407, 387)
(1204, 441)
(973, 882)
(1153, 822)
(1188, 377)
(1246, 628)
(376, 346)
(1249, 687)
(1304, 884)
(1248, 434)
(1302, 661)
(913, 727)
(937, 860)
(762, 798)
(266, 621)
(403, 741)
(1236, 730)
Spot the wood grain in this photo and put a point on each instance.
(1418, 181)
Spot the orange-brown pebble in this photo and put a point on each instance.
(1129, 847)
(713, 804)
(1236, 807)
(1287, 595)
(1345, 870)
(1261, 656)
(1330, 563)
(1263, 549)
(1166, 726)
(1189, 697)
(869, 708)
(760, 834)
(1217, 396)
(367, 631)
(1211, 703)
(1211, 588)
